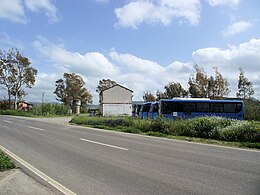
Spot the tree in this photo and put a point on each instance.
(174, 89)
(245, 87)
(72, 88)
(198, 85)
(105, 84)
(148, 96)
(202, 86)
(221, 84)
(160, 95)
(15, 74)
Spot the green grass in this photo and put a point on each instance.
(211, 130)
(5, 162)
(29, 114)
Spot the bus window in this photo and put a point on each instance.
(169, 107)
(202, 107)
(216, 107)
(186, 107)
(230, 108)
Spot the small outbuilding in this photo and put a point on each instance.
(116, 101)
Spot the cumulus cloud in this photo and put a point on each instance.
(12, 10)
(45, 5)
(152, 12)
(45, 83)
(230, 3)
(141, 74)
(133, 64)
(246, 55)
(236, 28)
(92, 63)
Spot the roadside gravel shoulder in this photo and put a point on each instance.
(17, 182)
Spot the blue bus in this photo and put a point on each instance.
(136, 110)
(145, 107)
(153, 111)
(192, 107)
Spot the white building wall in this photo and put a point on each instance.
(117, 95)
(116, 101)
(117, 109)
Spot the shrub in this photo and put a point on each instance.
(159, 125)
(241, 131)
(180, 128)
(5, 162)
(205, 127)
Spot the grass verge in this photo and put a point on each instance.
(209, 130)
(5, 162)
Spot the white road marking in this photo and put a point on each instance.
(36, 128)
(7, 121)
(112, 146)
(43, 176)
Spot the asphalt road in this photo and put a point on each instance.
(89, 161)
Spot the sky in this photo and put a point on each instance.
(141, 44)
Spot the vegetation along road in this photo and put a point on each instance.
(89, 161)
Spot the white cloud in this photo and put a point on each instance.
(229, 60)
(45, 83)
(133, 64)
(90, 64)
(46, 5)
(163, 12)
(236, 28)
(12, 10)
(7, 42)
(230, 3)
(141, 74)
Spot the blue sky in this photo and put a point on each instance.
(141, 44)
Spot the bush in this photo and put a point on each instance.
(241, 131)
(5, 162)
(204, 127)
(50, 109)
(207, 127)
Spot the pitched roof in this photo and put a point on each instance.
(118, 86)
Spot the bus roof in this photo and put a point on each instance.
(198, 100)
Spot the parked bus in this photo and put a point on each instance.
(153, 111)
(136, 110)
(192, 107)
(145, 107)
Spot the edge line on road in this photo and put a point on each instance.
(103, 144)
(40, 174)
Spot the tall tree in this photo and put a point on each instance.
(174, 89)
(72, 88)
(221, 85)
(148, 96)
(245, 87)
(15, 73)
(160, 95)
(198, 85)
(105, 84)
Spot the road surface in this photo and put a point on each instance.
(88, 161)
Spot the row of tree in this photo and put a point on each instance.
(201, 85)
(16, 74)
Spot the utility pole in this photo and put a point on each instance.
(42, 101)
